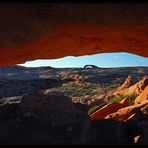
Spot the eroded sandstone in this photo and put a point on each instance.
(49, 31)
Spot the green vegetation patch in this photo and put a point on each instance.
(132, 98)
(10, 100)
(115, 99)
(77, 90)
(109, 85)
(95, 107)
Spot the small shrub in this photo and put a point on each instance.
(77, 90)
(115, 99)
(132, 98)
(109, 85)
(94, 108)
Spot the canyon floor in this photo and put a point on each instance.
(47, 105)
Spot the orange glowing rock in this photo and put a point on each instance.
(143, 96)
(104, 111)
(50, 31)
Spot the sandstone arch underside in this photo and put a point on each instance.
(48, 31)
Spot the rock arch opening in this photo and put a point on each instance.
(63, 106)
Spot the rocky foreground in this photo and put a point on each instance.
(47, 116)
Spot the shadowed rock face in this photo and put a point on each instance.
(43, 119)
(41, 31)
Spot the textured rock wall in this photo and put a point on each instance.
(47, 31)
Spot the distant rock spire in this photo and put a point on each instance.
(127, 83)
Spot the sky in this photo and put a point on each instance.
(120, 59)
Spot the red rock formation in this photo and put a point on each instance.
(126, 112)
(43, 31)
(142, 96)
(126, 83)
(80, 79)
(125, 102)
(134, 89)
(104, 111)
(144, 110)
(122, 110)
(108, 109)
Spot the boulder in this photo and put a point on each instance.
(56, 109)
(142, 96)
(104, 111)
(42, 119)
(126, 112)
(125, 101)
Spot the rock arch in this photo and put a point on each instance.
(49, 31)
(90, 66)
